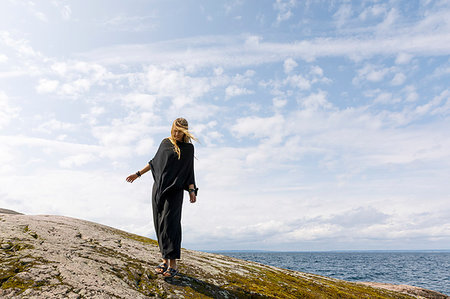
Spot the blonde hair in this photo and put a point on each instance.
(180, 124)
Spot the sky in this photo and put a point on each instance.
(322, 125)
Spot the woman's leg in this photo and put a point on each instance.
(173, 263)
(170, 226)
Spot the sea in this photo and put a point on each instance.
(425, 269)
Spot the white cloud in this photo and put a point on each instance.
(236, 51)
(55, 125)
(76, 87)
(279, 103)
(164, 83)
(385, 98)
(41, 16)
(253, 41)
(74, 78)
(258, 127)
(299, 82)
(96, 195)
(403, 58)
(443, 97)
(398, 79)
(21, 46)
(93, 114)
(315, 101)
(373, 11)
(231, 5)
(388, 22)
(442, 70)
(284, 9)
(317, 71)
(289, 65)
(3, 58)
(411, 93)
(76, 160)
(234, 91)
(371, 73)
(47, 86)
(143, 101)
(131, 23)
(7, 111)
(66, 12)
(343, 14)
(145, 146)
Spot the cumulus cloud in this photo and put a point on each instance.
(289, 65)
(7, 111)
(279, 103)
(342, 15)
(403, 58)
(284, 9)
(389, 21)
(232, 5)
(371, 73)
(47, 86)
(315, 101)
(143, 101)
(257, 126)
(299, 82)
(19, 45)
(164, 83)
(254, 51)
(131, 23)
(3, 58)
(373, 11)
(233, 91)
(398, 79)
(76, 160)
(53, 125)
(66, 12)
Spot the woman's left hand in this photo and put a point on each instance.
(192, 197)
(131, 178)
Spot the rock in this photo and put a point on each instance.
(6, 246)
(10, 212)
(79, 259)
(25, 261)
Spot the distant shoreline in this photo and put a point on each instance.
(331, 251)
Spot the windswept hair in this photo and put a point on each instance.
(180, 124)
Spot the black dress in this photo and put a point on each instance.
(171, 176)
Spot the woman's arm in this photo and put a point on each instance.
(192, 196)
(134, 176)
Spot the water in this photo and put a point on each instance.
(426, 269)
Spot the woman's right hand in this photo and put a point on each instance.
(132, 177)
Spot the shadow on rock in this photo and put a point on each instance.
(209, 289)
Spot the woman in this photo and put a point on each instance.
(173, 171)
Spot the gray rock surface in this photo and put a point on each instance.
(11, 212)
(43, 256)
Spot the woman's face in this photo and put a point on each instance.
(178, 135)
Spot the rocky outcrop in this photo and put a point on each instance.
(11, 212)
(60, 257)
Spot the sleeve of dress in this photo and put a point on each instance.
(190, 179)
(155, 163)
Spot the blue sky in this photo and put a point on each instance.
(323, 125)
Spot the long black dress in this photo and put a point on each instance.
(171, 176)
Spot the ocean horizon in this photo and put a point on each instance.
(429, 269)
